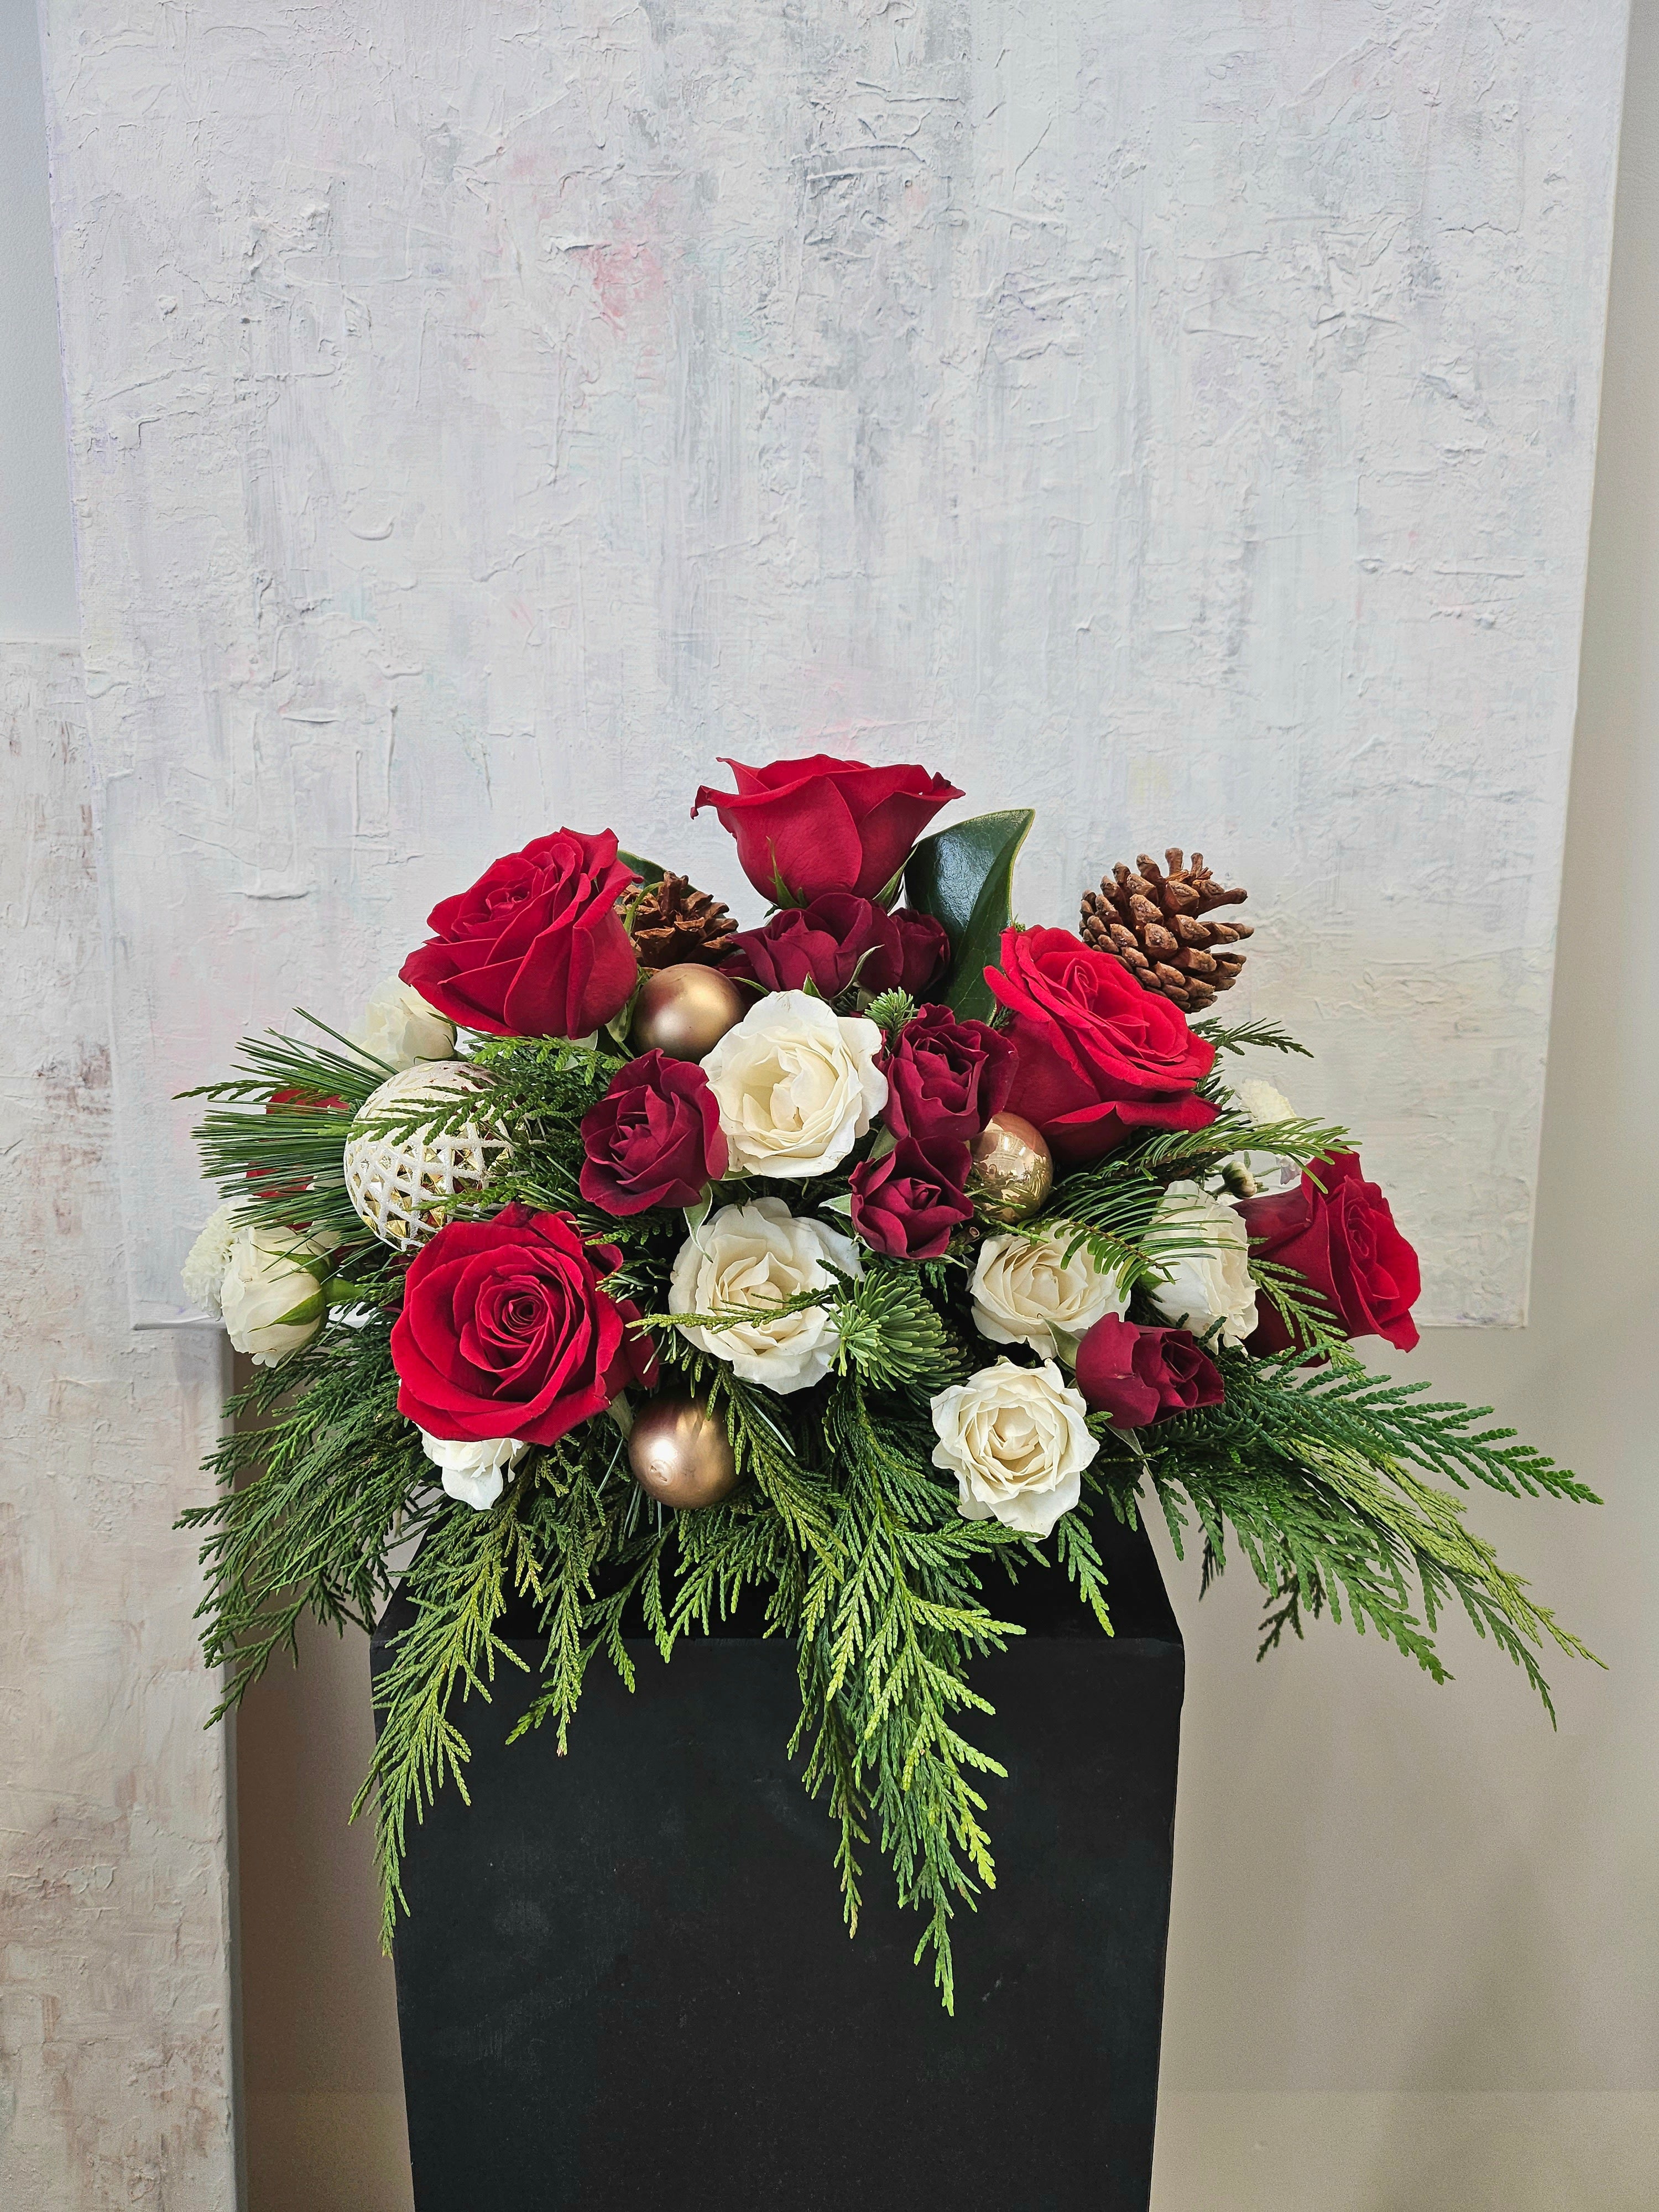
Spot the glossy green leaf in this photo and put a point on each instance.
(648, 870)
(964, 875)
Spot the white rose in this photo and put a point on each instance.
(207, 1260)
(796, 1083)
(1267, 1172)
(1262, 1102)
(1209, 1276)
(760, 1255)
(1016, 1441)
(475, 1474)
(400, 1027)
(1025, 1290)
(272, 1299)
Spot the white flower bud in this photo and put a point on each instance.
(474, 1472)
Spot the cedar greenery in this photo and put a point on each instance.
(1327, 1480)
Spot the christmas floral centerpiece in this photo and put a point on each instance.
(623, 1260)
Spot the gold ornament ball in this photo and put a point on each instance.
(680, 1453)
(1014, 1169)
(684, 1011)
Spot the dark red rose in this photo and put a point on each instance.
(926, 950)
(805, 826)
(1141, 1375)
(1099, 1058)
(907, 1204)
(506, 1330)
(839, 939)
(1343, 1242)
(945, 1078)
(536, 947)
(654, 1138)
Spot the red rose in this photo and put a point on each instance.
(506, 1331)
(1343, 1242)
(654, 1138)
(945, 1078)
(926, 948)
(536, 947)
(835, 941)
(805, 826)
(907, 1204)
(1141, 1374)
(1098, 1057)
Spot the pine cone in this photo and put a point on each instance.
(1150, 921)
(673, 922)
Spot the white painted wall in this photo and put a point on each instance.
(1180, 419)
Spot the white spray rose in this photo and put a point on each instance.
(760, 1255)
(797, 1084)
(1016, 1440)
(208, 1258)
(1209, 1276)
(475, 1474)
(400, 1027)
(272, 1298)
(1026, 1292)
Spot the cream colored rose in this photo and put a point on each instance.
(1026, 1292)
(208, 1260)
(797, 1084)
(475, 1474)
(272, 1297)
(1207, 1263)
(400, 1027)
(1016, 1441)
(760, 1255)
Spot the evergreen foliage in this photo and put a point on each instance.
(1327, 1480)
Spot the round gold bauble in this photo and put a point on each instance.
(1014, 1169)
(395, 1182)
(680, 1453)
(684, 1011)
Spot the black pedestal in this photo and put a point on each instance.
(625, 1984)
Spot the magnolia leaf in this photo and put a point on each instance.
(963, 876)
(649, 869)
(841, 1204)
(697, 1215)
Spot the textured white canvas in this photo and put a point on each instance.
(1180, 419)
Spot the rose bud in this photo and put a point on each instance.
(1343, 1242)
(947, 1077)
(805, 826)
(1137, 1376)
(926, 950)
(908, 1203)
(1099, 1058)
(654, 1140)
(536, 947)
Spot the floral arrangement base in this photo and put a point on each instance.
(624, 1982)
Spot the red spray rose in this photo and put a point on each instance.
(1141, 1375)
(926, 948)
(837, 939)
(507, 1331)
(654, 1138)
(301, 1101)
(945, 1078)
(536, 947)
(840, 939)
(907, 1204)
(1098, 1056)
(1343, 1241)
(805, 826)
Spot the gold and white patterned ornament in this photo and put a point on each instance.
(395, 1182)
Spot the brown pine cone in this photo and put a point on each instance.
(674, 922)
(1152, 921)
